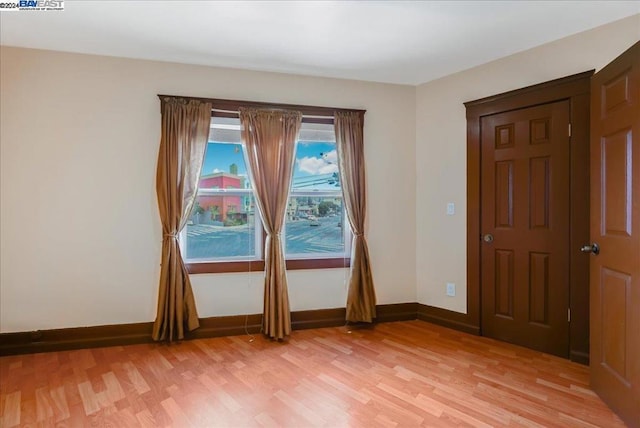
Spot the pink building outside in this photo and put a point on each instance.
(225, 204)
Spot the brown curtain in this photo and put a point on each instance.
(270, 137)
(361, 298)
(185, 131)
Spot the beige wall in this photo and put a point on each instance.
(80, 237)
(441, 144)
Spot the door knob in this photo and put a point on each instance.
(593, 248)
(488, 238)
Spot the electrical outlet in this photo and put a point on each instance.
(451, 208)
(451, 289)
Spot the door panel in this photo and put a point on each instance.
(615, 226)
(539, 288)
(616, 182)
(525, 187)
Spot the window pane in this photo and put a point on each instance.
(315, 226)
(222, 227)
(316, 166)
(222, 223)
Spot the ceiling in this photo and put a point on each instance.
(406, 42)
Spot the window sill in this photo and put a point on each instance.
(258, 265)
(297, 264)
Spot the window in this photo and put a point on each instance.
(222, 226)
(315, 222)
(224, 232)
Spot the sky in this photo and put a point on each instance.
(315, 163)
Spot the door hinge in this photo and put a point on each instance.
(569, 130)
(568, 314)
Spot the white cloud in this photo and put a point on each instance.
(331, 157)
(216, 170)
(327, 164)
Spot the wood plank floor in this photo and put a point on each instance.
(401, 374)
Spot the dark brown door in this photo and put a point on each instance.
(525, 225)
(615, 227)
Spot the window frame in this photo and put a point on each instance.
(311, 114)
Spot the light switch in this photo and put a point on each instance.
(451, 289)
(451, 208)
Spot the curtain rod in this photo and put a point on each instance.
(236, 112)
(231, 106)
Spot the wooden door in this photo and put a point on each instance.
(615, 227)
(525, 187)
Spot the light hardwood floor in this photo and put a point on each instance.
(408, 373)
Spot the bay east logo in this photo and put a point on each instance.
(38, 5)
(41, 4)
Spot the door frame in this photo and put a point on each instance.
(576, 89)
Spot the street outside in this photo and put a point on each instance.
(207, 241)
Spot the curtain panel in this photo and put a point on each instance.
(270, 137)
(184, 135)
(361, 297)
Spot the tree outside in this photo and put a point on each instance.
(326, 207)
(215, 212)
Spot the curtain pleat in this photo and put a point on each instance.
(361, 297)
(270, 137)
(184, 135)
